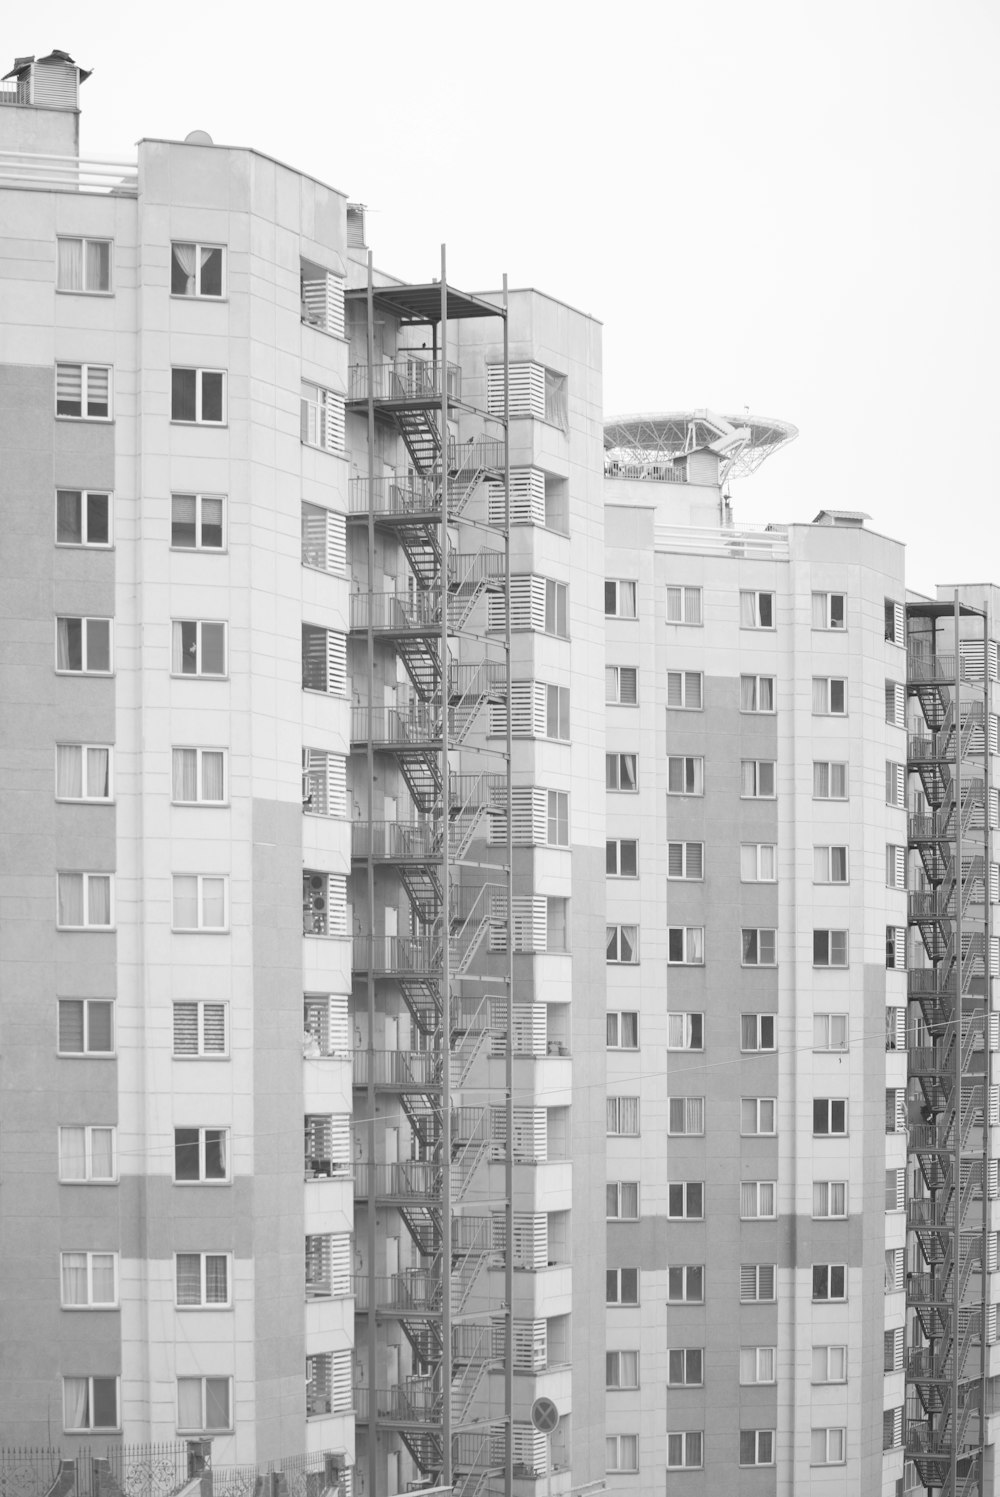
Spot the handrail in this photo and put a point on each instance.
(36, 172)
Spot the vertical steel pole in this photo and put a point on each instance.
(508, 1275)
(446, 1130)
(372, 1359)
(956, 1277)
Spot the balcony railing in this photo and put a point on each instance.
(25, 169)
(767, 542)
(404, 1068)
(406, 379)
(412, 1292)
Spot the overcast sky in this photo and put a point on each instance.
(779, 204)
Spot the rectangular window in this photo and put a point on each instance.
(557, 712)
(324, 660)
(830, 1032)
(685, 1367)
(684, 1450)
(829, 696)
(686, 1115)
(621, 1370)
(895, 948)
(757, 1032)
(322, 418)
(89, 1281)
(557, 818)
(756, 1447)
(622, 1286)
(829, 948)
(84, 646)
(829, 1116)
(686, 860)
(757, 1283)
(201, 1029)
(829, 780)
(686, 945)
(83, 265)
(83, 518)
(895, 866)
(621, 772)
(757, 694)
(623, 944)
(619, 599)
(621, 1453)
(685, 1031)
(199, 776)
(686, 1284)
(83, 772)
(198, 648)
(895, 784)
(85, 901)
(829, 610)
(758, 1115)
(623, 1117)
(197, 270)
(685, 775)
(200, 902)
(198, 522)
(895, 1190)
(829, 1364)
(90, 1403)
(86, 1026)
(828, 1447)
(758, 1200)
(204, 1405)
(758, 862)
(757, 779)
(892, 1427)
(621, 858)
(759, 948)
(623, 1030)
(198, 396)
(201, 1154)
(756, 610)
(892, 1350)
(829, 1281)
(621, 685)
(686, 1200)
(830, 865)
(757, 1365)
(895, 623)
(622, 1200)
(683, 605)
(556, 594)
(829, 1198)
(895, 704)
(83, 391)
(88, 1154)
(202, 1281)
(684, 690)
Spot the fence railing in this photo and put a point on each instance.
(25, 169)
(167, 1470)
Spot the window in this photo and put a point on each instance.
(83, 518)
(623, 1031)
(894, 1270)
(829, 1281)
(757, 779)
(828, 1447)
(198, 395)
(895, 704)
(200, 902)
(197, 269)
(892, 1427)
(685, 1367)
(757, 1283)
(201, 1154)
(622, 858)
(895, 948)
(895, 784)
(684, 690)
(685, 860)
(324, 660)
(200, 1029)
(621, 1370)
(83, 771)
(198, 649)
(830, 865)
(621, 685)
(203, 1405)
(622, 1200)
(829, 948)
(557, 712)
(619, 599)
(683, 605)
(759, 948)
(321, 422)
(83, 265)
(829, 696)
(895, 622)
(895, 866)
(757, 694)
(685, 775)
(830, 1032)
(555, 608)
(86, 1026)
(686, 1115)
(686, 1200)
(757, 1031)
(199, 776)
(88, 1154)
(758, 1200)
(756, 1447)
(557, 818)
(758, 1115)
(84, 645)
(197, 522)
(686, 945)
(621, 772)
(829, 1364)
(202, 1281)
(622, 1286)
(895, 1190)
(829, 1116)
(829, 610)
(892, 1350)
(89, 1281)
(829, 780)
(623, 1117)
(895, 1028)
(85, 901)
(90, 1403)
(684, 1449)
(686, 1284)
(685, 1031)
(623, 944)
(756, 610)
(757, 1364)
(758, 862)
(829, 1198)
(83, 391)
(621, 1453)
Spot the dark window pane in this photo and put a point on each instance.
(211, 396)
(68, 516)
(182, 520)
(213, 649)
(182, 394)
(189, 647)
(211, 272)
(98, 645)
(819, 1281)
(98, 531)
(72, 629)
(186, 1154)
(211, 522)
(630, 1286)
(105, 1403)
(99, 1035)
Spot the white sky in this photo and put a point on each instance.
(773, 203)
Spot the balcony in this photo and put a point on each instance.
(407, 380)
(25, 169)
(410, 1293)
(398, 1070)
(395, 956)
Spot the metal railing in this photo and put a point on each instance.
(405, 379)
(769, 542)
(25, 169)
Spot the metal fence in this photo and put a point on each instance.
(167, 1470)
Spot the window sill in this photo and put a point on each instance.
(84, 545)
(185, 296)
(87, 930)
(211, 425)
(89, 1182)
(101, 420)
(202, 805)
(201, 550)
(327, 332)
(82, 800)
(194, 930)
(99, 675)
(200, 1058)
(339, 452)
(195, 676)
(81, 291)
(75, 1309)
(200, 1309)
(87, 1054)
(202, 1184)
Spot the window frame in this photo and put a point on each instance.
(86, 1052)
(86, 799)
(756, 595)
(83, 240)
(830, 765)
(686, 1435)
(828, 1298)
(618, 1014)
(830, 626)
(556, 813)
(619, 959)
(203, 1304)
(618, 1120)
(696, 763)
(762, 1355)
(695, 1355)
(693, 1110)
(618, 1300)
(757, 694)
(200, 750)
(85, 620)
(830, 1047)
(830, 849)
(686, 1298)
(760, 854)
(618, 583)
(757, 766)
(89, 1303)
(88, 1177)
(759, 1186)
(826, 1350)
(558, 614)
(203, 1129)
(86, 876)
(693, 1208)
(758, 1442)
(685, 595)
(85, 543)
(685, 857)
(688, 1016)
(826, 1432)
(205, 1428)
(685, 680)
(85, 414)
(829, 1187)
(753, 950)
(618, 1467)
(199, 418)
(560, 716)
(619, 789)
(688, 943)
(617, 1186)
(91, 1427)
(200, 1053)
(758, 1298)
(620, 1386)
(614, 678)
(829, 932)
(201, 928)
(199, 523)
(618, 843)
(199, 674)
(197, 294)
(760, 1128)
(759, 1048)
(828, 1111)
(829, 710)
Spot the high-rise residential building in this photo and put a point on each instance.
(360, 1130)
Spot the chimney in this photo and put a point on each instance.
(40, 106)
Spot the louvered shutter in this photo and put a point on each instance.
(900, 1188)
(899, 623)
(336, 904)
(340, 1264)
(895, 1029)
(529, 921)
(994, 733)
(340, 1381)
(332, 424)
(185, 1029)
(973, 660)
(323, 297)
(530, 1345)
(214, 1028)
(340, 1138)
(993, 1252)
(526, 389)
(897, 936)
(527, 498)
(995, 883)
(895, 863)
(529, 1025)
(98, 389)
(527, 605)
(69, 389)
(529, 809)
(994, 956)
(530, 1449)
(336, 663)
(994, 808)
(991, 655)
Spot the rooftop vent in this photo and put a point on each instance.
(855, 517)
(51, 82)
(356, 225)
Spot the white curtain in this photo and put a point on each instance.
(98, 773)
(70, 274)
(188, 1269)
(184, 259)
(185, 902)
(70, 899)
(76, 1404)
(185, 774)
(103, 1278)
(189, 1414)
(99, 899)
(74, 1278)
(748, 610)
(216, 1279)
(213, 903)
(212, 775)
(819, 610)
(820, 698)
(69, 770)
(748, 693)
(72, 1153)
(69, 635)
(102, 1153)
(98, 265)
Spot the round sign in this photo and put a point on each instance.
(544, 1415)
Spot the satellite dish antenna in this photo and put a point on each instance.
(199, 138)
